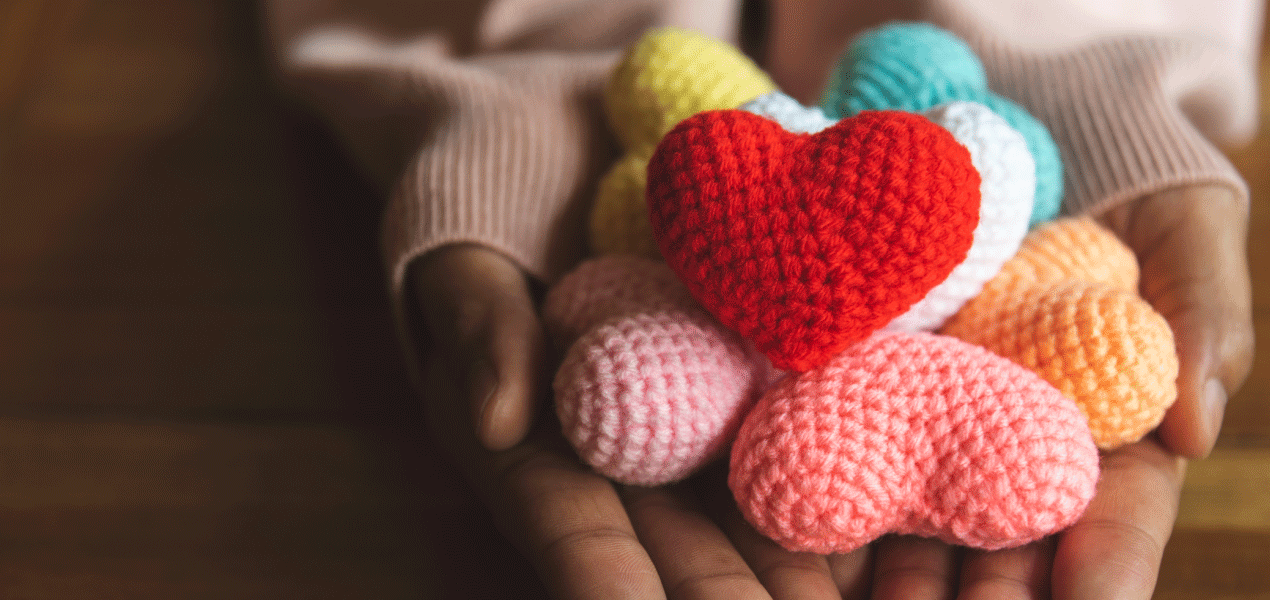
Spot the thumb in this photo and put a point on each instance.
(480, 316)
(1191, 245)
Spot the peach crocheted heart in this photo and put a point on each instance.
(1066, 307)
(807, 243)
(912, 433)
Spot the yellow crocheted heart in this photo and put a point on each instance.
(1066, 307)
(667, 76)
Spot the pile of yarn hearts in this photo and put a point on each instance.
(770, 281)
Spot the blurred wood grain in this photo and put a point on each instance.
(200, 395)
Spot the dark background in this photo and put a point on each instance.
(200, 393)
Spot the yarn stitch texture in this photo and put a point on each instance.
(1066, 307)
(912, 433)
(665, 77)
(790, 113)
(1007, 173)
(651, 386)
(805, 244)
(915, 66)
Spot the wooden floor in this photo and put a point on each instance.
(199, 391)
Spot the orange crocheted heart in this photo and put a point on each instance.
(803, 243)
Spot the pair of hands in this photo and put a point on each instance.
(589, 538)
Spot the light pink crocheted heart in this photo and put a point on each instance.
(654, 387)
(913, 433)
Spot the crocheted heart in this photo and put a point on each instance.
(608, 287)
(807, 243)
(912, 433)
(1061, 251)
(651, 387)
(1008, 179)
(1104, 348)
(789, 112)
(666, 76)
(1066, 307)
(915, 66)
(1007, 176)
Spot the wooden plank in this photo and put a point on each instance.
(1215, 565)
(151, 510)
(21, 30)
(115, 509)
(1227, 491)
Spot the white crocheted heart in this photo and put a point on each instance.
(1008, 173)
(791, 114)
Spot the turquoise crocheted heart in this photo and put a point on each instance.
(915, 66)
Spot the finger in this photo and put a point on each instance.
(1191, 426)
(1114, 550)
(487, 353)
(912, 568)
(479, 317)
(853, 573)
(1021, 573)
(1191, 245)
(568, 521)
(574, 526)
(785, 574)
(693, 556)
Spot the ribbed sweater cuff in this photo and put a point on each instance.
(511, 166)
(1115, 109)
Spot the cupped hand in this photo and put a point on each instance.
(589, 539)
(484, 376)
(1190, 243)
(1191, 247)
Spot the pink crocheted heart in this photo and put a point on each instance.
(807, 243)
(653, 387)
(913, 433)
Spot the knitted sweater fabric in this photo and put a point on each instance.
(485, 120)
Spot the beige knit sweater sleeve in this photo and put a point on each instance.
(1136, 92)
(484, 117)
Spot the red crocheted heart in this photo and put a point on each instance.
(807, 243)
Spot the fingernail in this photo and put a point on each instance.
(1215, 409)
